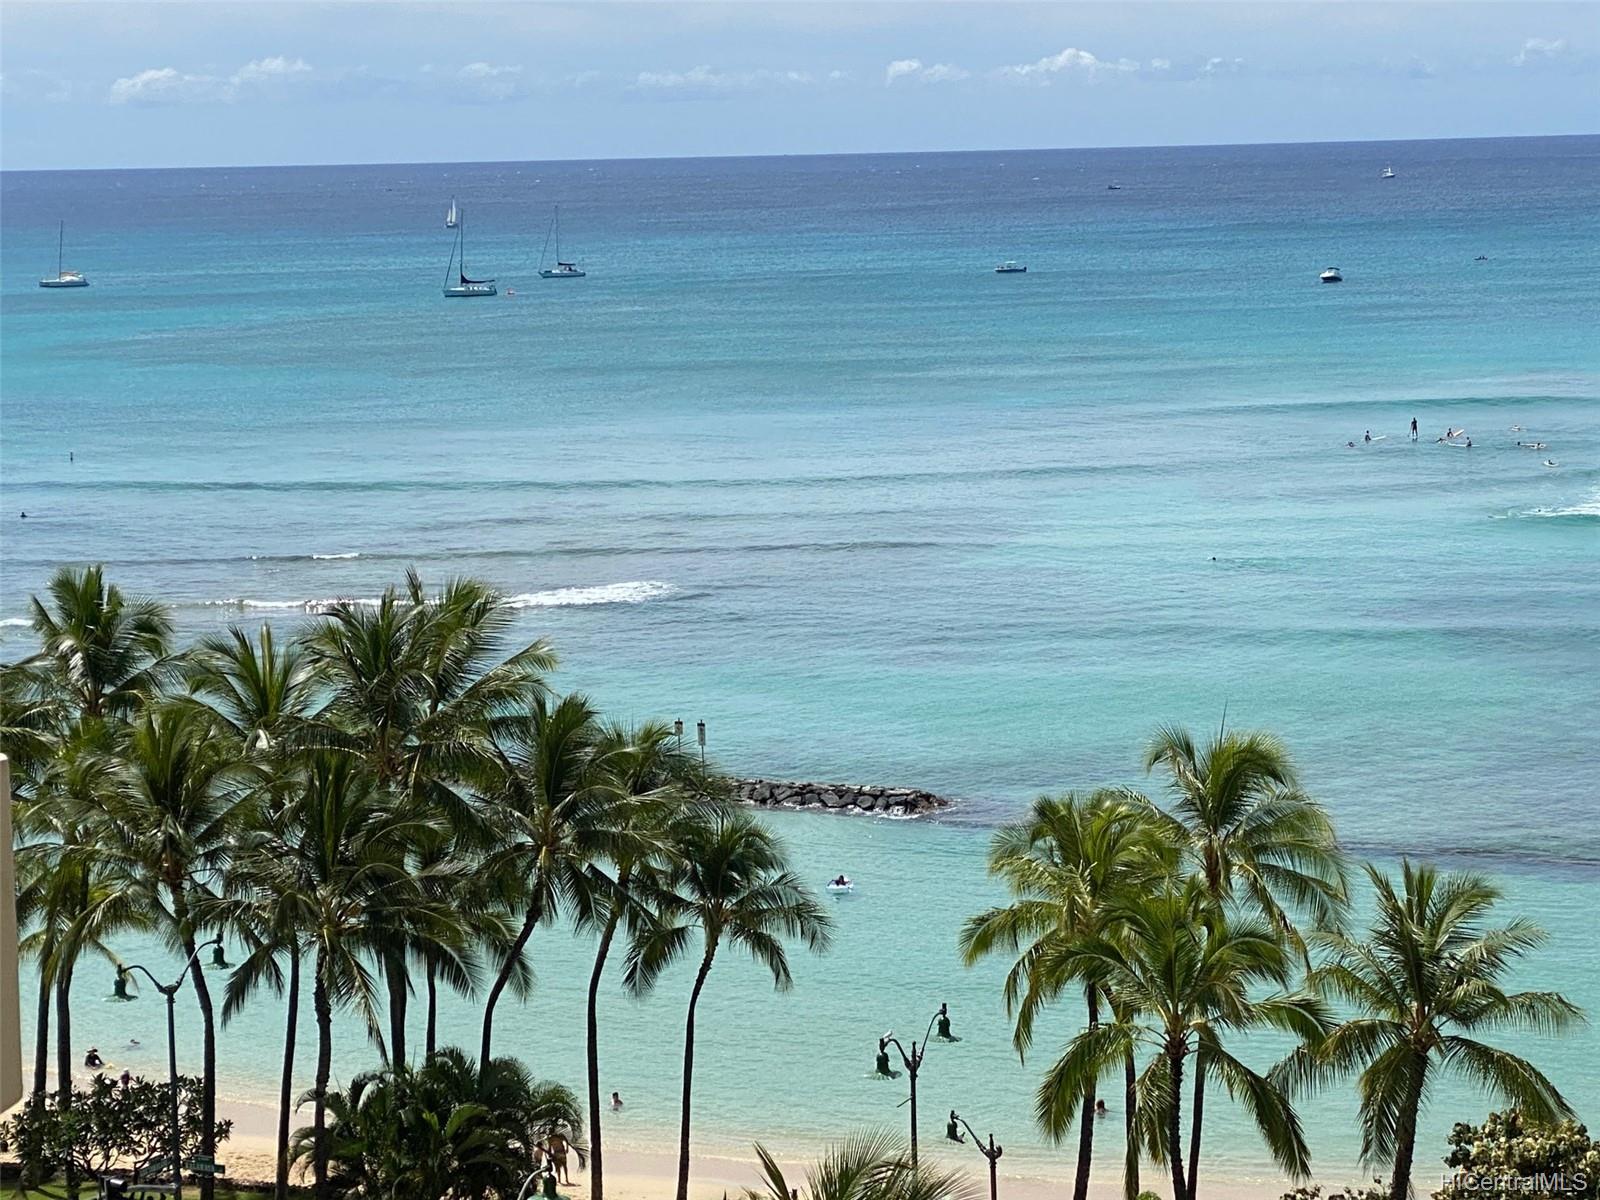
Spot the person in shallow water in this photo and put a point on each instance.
(952, 1131)
(92, 1059)
(943, 1031)
(616, 1102)
(1413, 429)
(883, 1067)
(1099, 1108)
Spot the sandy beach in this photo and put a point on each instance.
(649, 1174)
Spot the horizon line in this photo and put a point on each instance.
(290, 166)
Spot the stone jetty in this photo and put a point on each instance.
(844, 797)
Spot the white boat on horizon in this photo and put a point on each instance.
(463, 288)
(1331, 275)
(1388, 173)
(63, 278)
(1011, 268)
(562, 269)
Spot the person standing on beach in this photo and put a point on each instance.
(558, 1157)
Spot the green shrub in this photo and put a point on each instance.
(1507, 1158)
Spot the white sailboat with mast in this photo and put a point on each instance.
(456, 284)
(63, 278)
(452, 218)
(562, 270)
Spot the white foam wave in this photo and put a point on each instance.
(1584, 508)
(309, 606)
(635, 591)
(15, 623)
(332, 557)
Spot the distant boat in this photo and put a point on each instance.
(1011, 268)
(1388, 173)
(63, 278)
(1331, 275)
(463, 288)
(451, 217)
(1113, 187)
(562, 269)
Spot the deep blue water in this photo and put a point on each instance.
(792, 459)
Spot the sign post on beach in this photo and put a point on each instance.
(10, 986)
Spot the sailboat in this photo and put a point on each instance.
(63, 278)
(562, 270)
(463, 288)
(1388, 173)
(451, 217)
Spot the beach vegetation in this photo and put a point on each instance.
(869, 1165)
(1508, 1156)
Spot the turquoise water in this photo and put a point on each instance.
(793, 460)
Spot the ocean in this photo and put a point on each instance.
(794, 460)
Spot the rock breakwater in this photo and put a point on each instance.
(844, 797)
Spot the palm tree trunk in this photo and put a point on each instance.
(1130, 1127)
(41, 1037)
(280, 1189)
(1080, 1184)
(208, 1033)
(1405, 1137)
(430, 1039)
(1180, 1189)
(64, 1056)
(394, 976)
(319, 1119)
(688, 1072)
(1195, 1119)
(32, 1164)
(592, 1032)
(504, 977)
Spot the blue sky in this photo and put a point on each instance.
(122, 84)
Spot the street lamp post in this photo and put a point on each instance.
(170, 991)
(913, 1062)
(991, 1152)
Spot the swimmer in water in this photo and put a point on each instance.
(616, 1102)
(952, 1129)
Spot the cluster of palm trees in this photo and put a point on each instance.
(388, 804)
(1184, 925)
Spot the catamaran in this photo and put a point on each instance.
(63, 278)
(562, 269)
(451, 217)
(463, 288)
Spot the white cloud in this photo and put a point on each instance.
(1222, 66)
(1161, 64)
(488, 82)
(1536, 50)
(705, 79)
(167, 85)
(1070, 61)
(913, 68)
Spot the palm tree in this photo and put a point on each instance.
(331, 857)
(415, 688)
(258, 690)
(732, 882)
(1428, 975)
(554, 824)
(654, 784)
(169, 825)
(865, 1166)
(1069, 864)
(1189, 977)
(107, 651)
(1238, 810)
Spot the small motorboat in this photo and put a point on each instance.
(841, 884)
(1113, 187)
(1331, 275)
(1388, 173)
(1011, 268)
